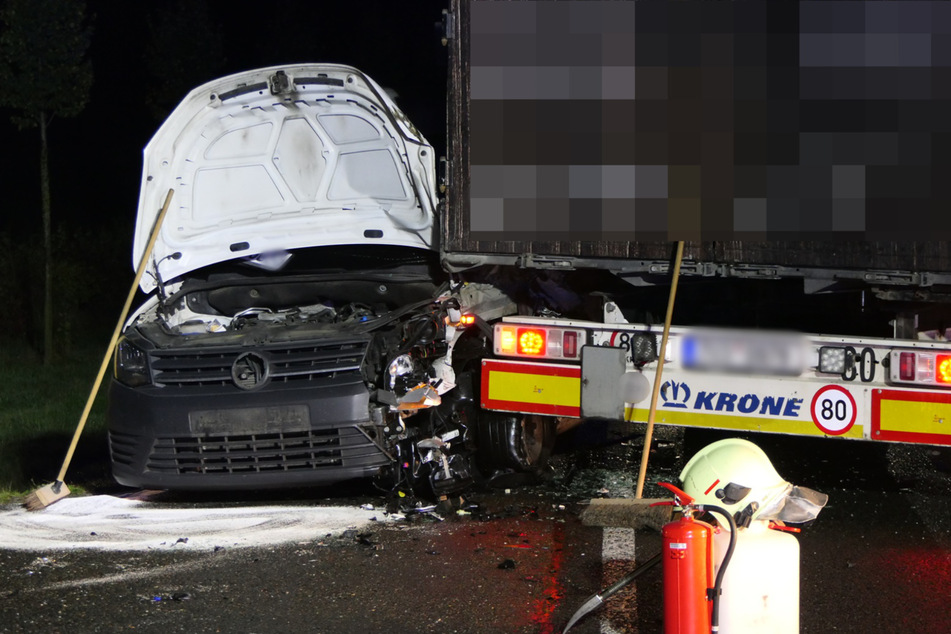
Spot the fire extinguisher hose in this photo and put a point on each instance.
(595, 601)
(715, 591)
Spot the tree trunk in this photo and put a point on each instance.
(47, 245)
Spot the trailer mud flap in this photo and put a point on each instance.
(531, 388)
(911, 416)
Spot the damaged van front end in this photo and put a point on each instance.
(298, 328)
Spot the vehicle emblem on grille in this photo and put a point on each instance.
(250, 371)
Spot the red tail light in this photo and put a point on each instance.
(569, 344)
(921, 367)
(538, 341)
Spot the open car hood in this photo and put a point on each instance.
(283, 158)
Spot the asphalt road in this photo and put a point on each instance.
(878, 559)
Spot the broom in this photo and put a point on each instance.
(642, 473)
(44, 496)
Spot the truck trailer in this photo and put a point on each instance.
(590, 136)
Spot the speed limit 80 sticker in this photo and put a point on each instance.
(833, 410)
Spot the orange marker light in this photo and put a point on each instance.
(943, 368)
(507, 341)
(467, 320)
(531, 342)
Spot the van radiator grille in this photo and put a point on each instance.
(324, 363)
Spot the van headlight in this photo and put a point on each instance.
(398, 367)
(131, 364)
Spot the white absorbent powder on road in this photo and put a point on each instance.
(113, 523)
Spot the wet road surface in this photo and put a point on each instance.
(877, 559)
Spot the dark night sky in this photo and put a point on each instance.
(96, 158)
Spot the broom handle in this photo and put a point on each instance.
(660, 370)
(115, 336)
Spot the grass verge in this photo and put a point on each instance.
(40, 407)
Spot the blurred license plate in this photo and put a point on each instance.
(750, 352)
(250, 420)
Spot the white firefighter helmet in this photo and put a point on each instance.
(737, 475)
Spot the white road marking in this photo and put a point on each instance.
(616, 544)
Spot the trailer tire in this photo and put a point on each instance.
(515, 442)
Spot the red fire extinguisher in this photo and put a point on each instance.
(687, 555)
(691, 593)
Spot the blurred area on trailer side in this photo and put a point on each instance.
(592, 134)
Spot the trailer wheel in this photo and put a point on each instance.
(515, 442)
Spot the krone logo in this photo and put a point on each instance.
(675, 394)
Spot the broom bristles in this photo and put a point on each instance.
(44, 496)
